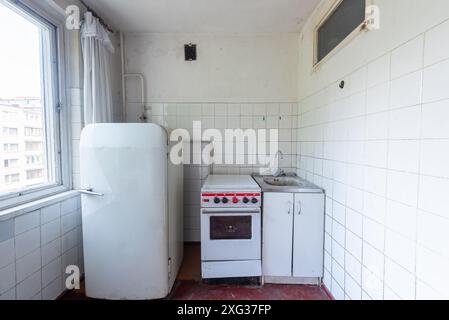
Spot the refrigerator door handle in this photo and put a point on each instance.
(91, 192)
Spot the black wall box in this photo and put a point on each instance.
(190, 52)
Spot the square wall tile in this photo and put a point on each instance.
(401, 250)
(51, 251)
(433, 232)
(436, 49)
(403, 187)
(436, 82)
(379, 70)
(7, 252)
(435, 158)
(403, 155)
(434, 195)
(405, 123)
(401, 219)
(50, 231)
(373, 287)
(406, 91)
(374, 234)
(408, 57)
(431, 268)
(28, 242)
(434, 120)
(353, 267)
(28, 265)
(7, 278)
(27, 222)
(50, 213)
(6, 230)
(29, 287)
(400, 280)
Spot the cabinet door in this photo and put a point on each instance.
(277, 234)
(308, 235)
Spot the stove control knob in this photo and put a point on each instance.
(245, 200)
(217, 200)
(254, 200)
(235, 200)
(225, 200)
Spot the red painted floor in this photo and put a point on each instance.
(190, 287)
(191, 290)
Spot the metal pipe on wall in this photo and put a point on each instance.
(125, 75)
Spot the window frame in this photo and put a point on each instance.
(60, 122)
(323, 19)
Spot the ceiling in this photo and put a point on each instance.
(205, 16)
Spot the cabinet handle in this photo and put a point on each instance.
(299, 208)
(289, 207)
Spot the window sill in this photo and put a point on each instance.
(36, 205)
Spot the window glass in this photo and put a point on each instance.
(28, 97)
(340, 24)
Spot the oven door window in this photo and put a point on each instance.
(231, 228)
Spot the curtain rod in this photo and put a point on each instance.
(97, 16)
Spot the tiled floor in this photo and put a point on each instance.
(190, 287)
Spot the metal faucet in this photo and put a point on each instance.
(279, 172)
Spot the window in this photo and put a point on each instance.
(10, 147)
(35, 174)
(12, 178)
(11, 163)
(9, 116)
(347, 16)
(33, 132)
(34, 160)
(33, 117)
(33, 126)
(33, 147)
(10, 132)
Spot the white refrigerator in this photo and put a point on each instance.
(132, 209)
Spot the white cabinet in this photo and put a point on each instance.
(293, 235)
(277, 234)
(308, 235)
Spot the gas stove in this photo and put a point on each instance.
(220, 191)
(231, 243)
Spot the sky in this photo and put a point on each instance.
(19, 56)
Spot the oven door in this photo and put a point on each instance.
(231, 234)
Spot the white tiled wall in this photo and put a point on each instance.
(380, 149)
(36, 248)
(194, 177)
(282, 116)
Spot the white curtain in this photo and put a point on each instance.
(96, 47)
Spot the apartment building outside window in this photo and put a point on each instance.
(12, 178)
(33, 159)
(35, 174)
(32, 117)
(10, 132)
(33, 132)
(9, 116)
(11, 163)
(10, 147)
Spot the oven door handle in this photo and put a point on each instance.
(231, 210)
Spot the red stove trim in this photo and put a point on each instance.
(231, 194)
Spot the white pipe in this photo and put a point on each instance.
(122, 48)
(142, 86)
(131, 75)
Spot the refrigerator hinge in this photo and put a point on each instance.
(169, 268)
(58, 107)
